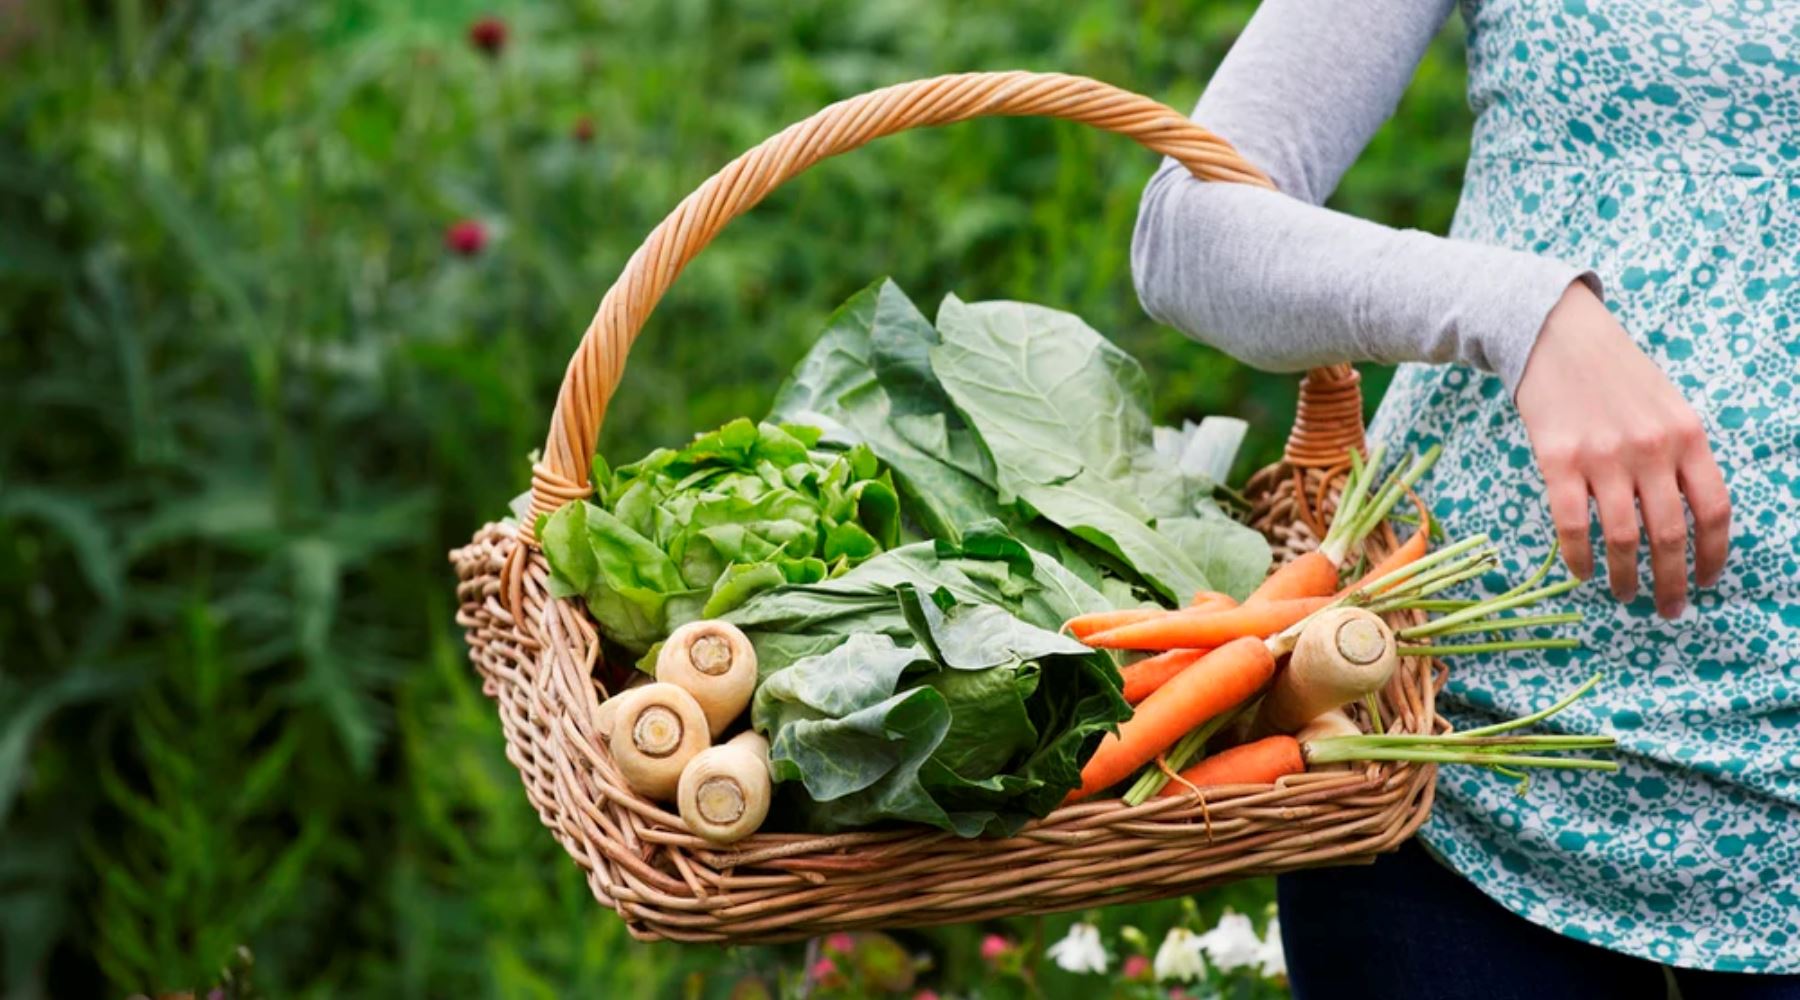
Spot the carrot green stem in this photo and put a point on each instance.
(1463, 742)
(1395, 487)
(1487, 647)
(1372, 702)
(1457, 549)
(1539, 716)
(1506, 624)
(1356, 487)
(1538, 575)
(1440, 579)
(1441, 605)
(1179, 756)
(1505, 602)
(1318, 752)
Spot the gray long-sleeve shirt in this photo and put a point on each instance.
(1282, 283)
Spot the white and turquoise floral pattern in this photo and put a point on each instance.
(1659, 144)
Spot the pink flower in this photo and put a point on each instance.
(840, 943)
(824, 972)
(488, 35)
(1180, 995)
(466, 237)
(1136, 967)
(926, 995)
(583, 130)
(994, 947)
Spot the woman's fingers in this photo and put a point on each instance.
(1614, 497)
(1605, 421)
(1568, 496)
(1711, 505)
(1665, 524)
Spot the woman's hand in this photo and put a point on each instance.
(1605, 422)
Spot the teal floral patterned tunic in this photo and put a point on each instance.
(1657, 143)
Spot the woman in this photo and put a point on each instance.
(1650, 149)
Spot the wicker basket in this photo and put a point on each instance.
(537, 656)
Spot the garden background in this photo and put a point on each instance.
(285, 291)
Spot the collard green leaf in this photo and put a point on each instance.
(943, 724)
(868, 381)
(1065, 416)
(990, 568)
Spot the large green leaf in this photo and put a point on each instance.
(945, 718)
(1065, 416)
(990, 567)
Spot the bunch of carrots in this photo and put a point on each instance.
(1278, 669)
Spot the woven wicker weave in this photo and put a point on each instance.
(537, 656)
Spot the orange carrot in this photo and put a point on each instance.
(1082, 626)
(1148, 674)
(1258, 763)
(1409, 552)
(1188, 630)
(1217, 682)
(1210, 600)
(1311, 575)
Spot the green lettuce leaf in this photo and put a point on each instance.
(696, 531)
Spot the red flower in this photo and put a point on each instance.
(488, 35)
(583, 130)
(926, 995)
(466, 237)
(1136, 967)
(840, 943)
(994, 947)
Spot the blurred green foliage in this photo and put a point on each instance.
(249, 397)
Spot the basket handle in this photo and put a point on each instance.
(594, 372)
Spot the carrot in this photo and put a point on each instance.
(1409, 552)
(1217, 682)
(1210, 600)
(1082, 626)
(1312, 575)
(1148, 674)
(1258, 763)
(1188, 630)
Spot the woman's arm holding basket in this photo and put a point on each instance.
(1278, 281)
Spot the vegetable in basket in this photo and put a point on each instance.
(1342, 655)
(1024, 415)
(974, 722)
(725, 791)
(693, 532)
(656, 730)
(715, 663)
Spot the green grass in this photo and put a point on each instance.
(248, 400)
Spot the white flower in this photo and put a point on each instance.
(1080, 950)
(1179, 957)
(1233, 944)
(1269, 957)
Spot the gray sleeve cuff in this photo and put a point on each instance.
(1512, 328)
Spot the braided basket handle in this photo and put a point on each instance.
(594, 372)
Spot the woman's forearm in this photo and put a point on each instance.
(1284, 285)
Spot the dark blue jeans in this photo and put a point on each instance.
(1409, 927)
